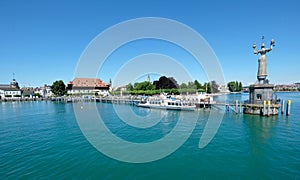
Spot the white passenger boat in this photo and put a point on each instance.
(177, 103)
(169, 103)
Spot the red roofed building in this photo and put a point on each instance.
(81, 86)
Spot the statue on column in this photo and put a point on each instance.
(262, 61)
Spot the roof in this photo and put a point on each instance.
(9, 89)
(4, 86)
(88, 82)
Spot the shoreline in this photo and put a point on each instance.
(288, 91)
(113, 97)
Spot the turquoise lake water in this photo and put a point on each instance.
(43, 140)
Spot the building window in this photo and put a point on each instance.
(258, 96)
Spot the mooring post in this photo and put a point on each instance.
(241, 107)
(288, 107)
(264, 109)
(269, 108)
(236, 106)
(282, 106)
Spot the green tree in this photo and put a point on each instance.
(231, 86)
(59, 88)
(183, 86)
(191, 85)
(129, 87)
(198, 85)
(240, 86)
(207, 87)
(166, 83)
(146, 85)
(235, 86)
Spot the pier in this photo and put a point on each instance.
(266, 109)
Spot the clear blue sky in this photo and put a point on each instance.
(41, 41)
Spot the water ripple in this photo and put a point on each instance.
(43, 140)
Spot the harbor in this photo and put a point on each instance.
(50, 139)
(195, 102)
(150, 90)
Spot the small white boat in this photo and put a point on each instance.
(167, 103)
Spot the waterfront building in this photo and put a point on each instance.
(44, 91)
(223, 89)
(287, 87)
(297, 85)
(10, 91)
(88, 86)
(27, 92)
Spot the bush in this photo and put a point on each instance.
(201, 90)
(190, 91)
(174, 91)
(38, 95)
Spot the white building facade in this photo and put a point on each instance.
(10, 91)
(44, 91)
(88, 86)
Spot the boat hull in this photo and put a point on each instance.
(179, 108)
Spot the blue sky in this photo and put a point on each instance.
(41, 41)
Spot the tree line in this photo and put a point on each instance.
(235, 86)
(165, 84)
(170, 86)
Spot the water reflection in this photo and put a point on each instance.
(260, 127)
(260, 131)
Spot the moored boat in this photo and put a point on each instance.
(168, 103)
(175, 103)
